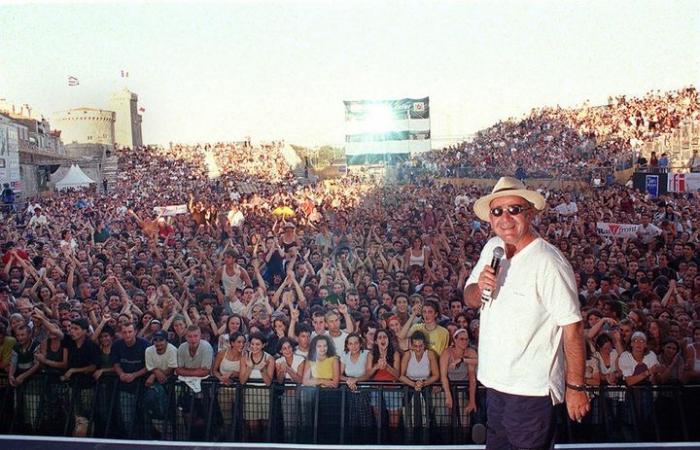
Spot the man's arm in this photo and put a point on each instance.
(577, 402)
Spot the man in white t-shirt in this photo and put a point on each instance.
(161, 361)
(567, 207)
(647, 231)
(532, 310)
(161, 358)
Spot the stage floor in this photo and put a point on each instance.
(11, 442)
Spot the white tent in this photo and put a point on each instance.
(75, 178)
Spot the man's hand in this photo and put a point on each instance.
(577, 404)
(487, 279)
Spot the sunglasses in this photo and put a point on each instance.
(513, 210)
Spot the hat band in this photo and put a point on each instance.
(506, 189)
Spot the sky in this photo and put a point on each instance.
(216, 71)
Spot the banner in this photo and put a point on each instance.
(651, 184)
(617, 230)
(172, 210)
(683, 182)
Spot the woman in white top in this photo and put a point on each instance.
(639, 365)
(227, 368)
(259, 371)
(417, 255)
(289, 368)
(419, 369)
(353, 369)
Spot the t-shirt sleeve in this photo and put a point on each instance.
(558, 292)
(207, 357)
(150, 362)
(172, 356)
(626, 364)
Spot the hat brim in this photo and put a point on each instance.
(482, 207)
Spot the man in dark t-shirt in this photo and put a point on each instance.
(129, 360)
(83, 358)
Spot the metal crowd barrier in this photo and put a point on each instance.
(376, 413)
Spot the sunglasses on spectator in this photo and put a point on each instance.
(513, 210)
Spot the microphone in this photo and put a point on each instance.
(498, 253)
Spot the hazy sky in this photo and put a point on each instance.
(281, 69)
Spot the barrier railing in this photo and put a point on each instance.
(375, 413)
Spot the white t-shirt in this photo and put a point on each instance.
(648, 233)
(567, 209)
(296, 362)
(520, 336)
(167, 360)
(236, 219)
(627, 363)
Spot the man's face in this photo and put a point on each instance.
(22, 336)
(333, 322)
(76, 332)
(193, 338)
(319, 324)
(128, 333)
(512, 229)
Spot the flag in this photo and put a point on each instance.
(125, 74)
(73, 81)
(142, 109)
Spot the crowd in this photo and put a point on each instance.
(258, 280)
(570, 143)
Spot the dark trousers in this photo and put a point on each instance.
(518, 422)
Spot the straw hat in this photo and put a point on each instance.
(507, 186)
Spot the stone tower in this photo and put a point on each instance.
(127, 126)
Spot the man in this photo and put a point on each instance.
(194, 360)
(533, 309)
(438, 336)
(83, 359)
(129, 361)
(694, 162)
(161, 361)
(22, 366)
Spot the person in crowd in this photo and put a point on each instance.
(23, 366)
(129, 363)
(194, 361)
(353, 369)
(437, 335)
(161, 362)
(289, 369)
(321, 370)
(419, 370)
(227, 369)
(258, 374)
(458, 365)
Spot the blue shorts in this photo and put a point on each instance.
(518, 421)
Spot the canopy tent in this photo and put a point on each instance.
(75, 178)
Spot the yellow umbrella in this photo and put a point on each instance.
(284, 211)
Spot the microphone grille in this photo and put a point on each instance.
(498, 252)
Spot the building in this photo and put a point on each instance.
(127, 131)
(9, 152)
(85, 126)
